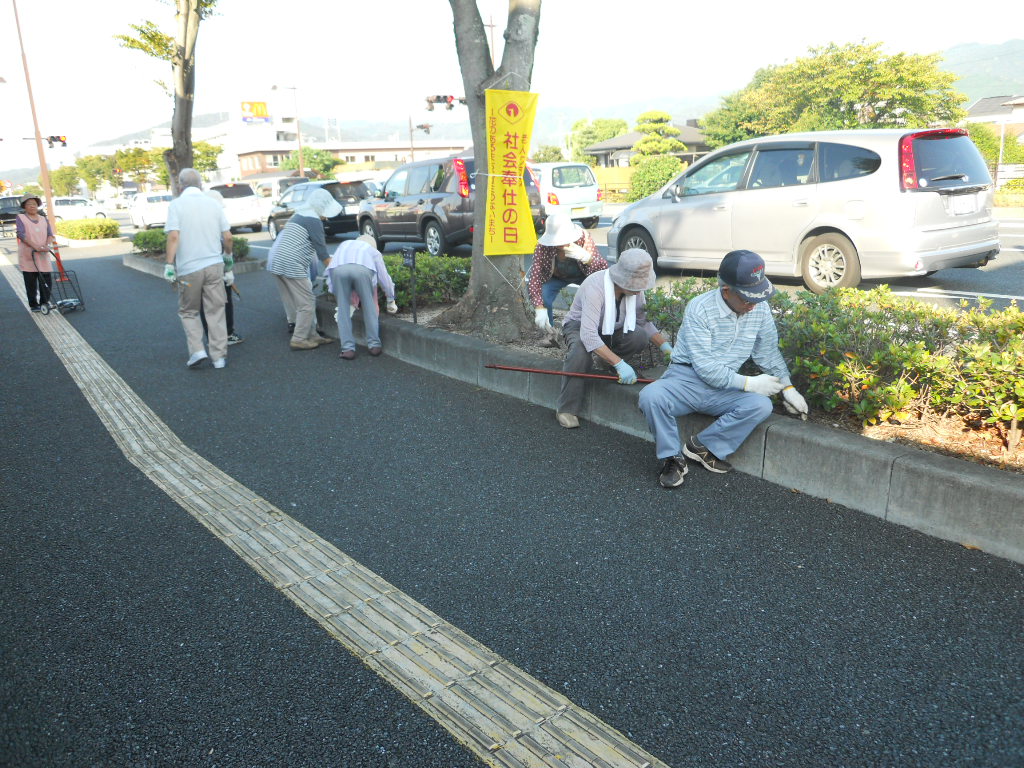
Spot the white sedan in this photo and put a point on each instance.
(68, 208)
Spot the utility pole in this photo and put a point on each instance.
(44, 171)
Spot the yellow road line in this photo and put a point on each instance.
(502, 714)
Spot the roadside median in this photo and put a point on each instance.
(973, 505)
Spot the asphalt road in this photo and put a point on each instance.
(729, 622)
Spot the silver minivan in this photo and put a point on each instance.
(832, 207)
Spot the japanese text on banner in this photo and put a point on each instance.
(509, 225)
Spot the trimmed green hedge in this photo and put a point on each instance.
(88, 229)
(439, 279)
(880, 357)
(154, 241)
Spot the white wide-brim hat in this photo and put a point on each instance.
(560, 230)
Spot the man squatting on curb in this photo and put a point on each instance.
(721, 329)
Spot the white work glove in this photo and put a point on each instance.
(794, 402)
(351, 309)
(392, 307)
(540, 319)
(763, 385)
(229, 278)
(626, 373)
(666, 350)
(578, 252)
(170, 274)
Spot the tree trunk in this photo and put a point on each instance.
(179, 156)
(495, 303)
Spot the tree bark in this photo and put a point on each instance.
(495, 302)
(179, 156)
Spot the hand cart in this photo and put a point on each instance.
(65, 295)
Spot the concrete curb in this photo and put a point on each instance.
(156, 268)
(956, 500)
(67, 242)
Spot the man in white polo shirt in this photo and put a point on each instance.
(199, 259)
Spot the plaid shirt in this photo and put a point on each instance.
(716, 341)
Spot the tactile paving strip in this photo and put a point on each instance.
(502, 714)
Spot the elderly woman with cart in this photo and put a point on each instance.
(35, 238)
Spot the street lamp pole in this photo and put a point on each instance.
(298, 124)
(44, 171)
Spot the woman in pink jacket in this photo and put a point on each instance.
(34, 241)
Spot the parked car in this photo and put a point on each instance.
(431, 202)
(348, 193)
(149, 209)
(241, 205)
(831, 206)
(68, 208)
(570, 188)
(10, 207)
(272, 189)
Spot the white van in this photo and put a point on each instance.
(241, 205)
(569, 188)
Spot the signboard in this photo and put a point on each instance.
(509, 226)
(255, 112)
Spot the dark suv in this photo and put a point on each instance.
(348, 193)
(10, 207)
(431, 202)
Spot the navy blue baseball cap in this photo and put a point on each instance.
(743, 271)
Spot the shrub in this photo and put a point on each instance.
(439, 279)
(651, 174)
(150, 241)
(88, 229)
(155, 241)
(239, 248)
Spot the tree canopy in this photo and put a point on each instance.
(855, 85)
(587, 132)
(320, 161)
(659, 135)
(548, 153)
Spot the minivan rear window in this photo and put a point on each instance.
(945, 161)
(841, 161)
(568, 176)
(234, 190)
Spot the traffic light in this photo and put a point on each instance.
(447, 100)
(62, 139)
(425, 127)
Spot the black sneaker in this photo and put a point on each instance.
(673, 472)
(291, 328)
(696, 451)
(234, 338)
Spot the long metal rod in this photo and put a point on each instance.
(564, 373)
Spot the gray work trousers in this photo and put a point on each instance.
(579, 360)
(300, 303)
(345, 279)
(204, 289)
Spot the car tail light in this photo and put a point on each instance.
(600, 195)
(460, 170)
(552, 198)
(908, 166)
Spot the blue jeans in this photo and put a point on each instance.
(681, 391)
(549, 292)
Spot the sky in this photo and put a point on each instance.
(378, 60)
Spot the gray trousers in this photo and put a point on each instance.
(345, 279)
(300, 303)
(579, 360)
(681, 391)
(204, 290)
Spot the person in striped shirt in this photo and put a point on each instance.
(721, 330)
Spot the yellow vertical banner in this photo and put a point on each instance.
(509, 223)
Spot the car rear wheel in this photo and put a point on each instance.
(257, 227)
(272, 228)
(368, 228)
(433, 236)
(590, 223)
(638, 238)
(101, 215)
(829, 261)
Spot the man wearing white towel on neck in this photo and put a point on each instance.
(607, 318)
